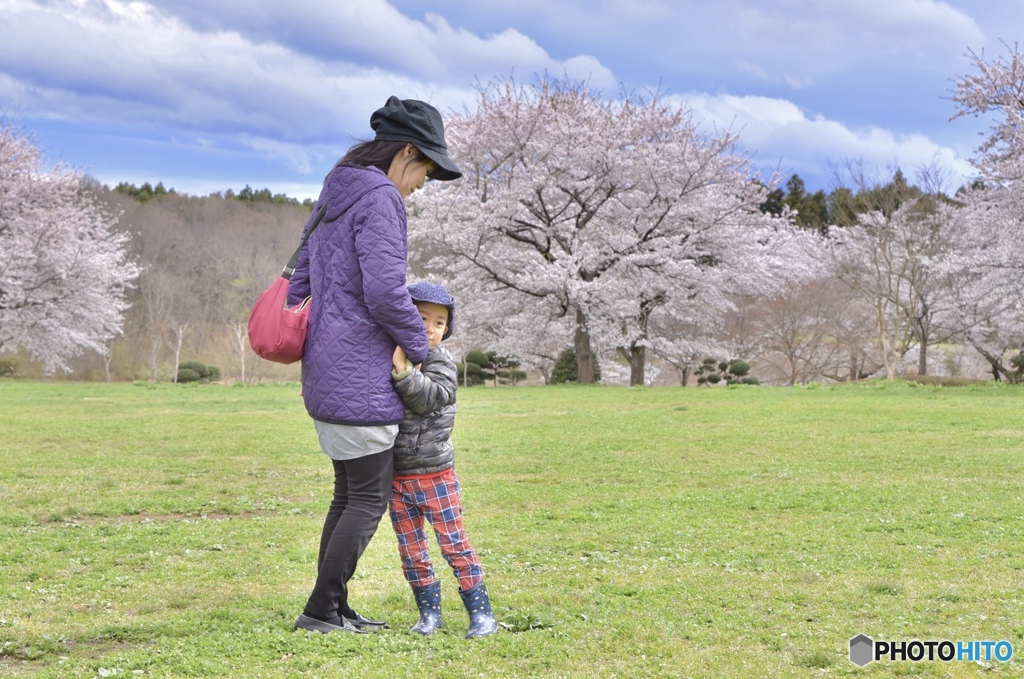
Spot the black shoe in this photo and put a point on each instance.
(364, 624)
(313, 625)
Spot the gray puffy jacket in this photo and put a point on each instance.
(424, 442)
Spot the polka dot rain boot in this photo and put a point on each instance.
(428, 600)
(481, 619)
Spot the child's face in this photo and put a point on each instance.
(435, 318)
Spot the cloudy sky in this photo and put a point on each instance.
(206, 95)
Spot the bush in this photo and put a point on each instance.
(195, 366)
(738, 368)
(478, 367)
(512, 376)
(473, 375)
(188, 375)
(478, 357)
(8, 367)
(713, 371)
(507, 369)
(194, 371)
(482, 367)
(1016, 376)
(565, 368)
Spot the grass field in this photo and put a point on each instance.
(170, 531)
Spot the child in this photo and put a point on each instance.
(425, 484)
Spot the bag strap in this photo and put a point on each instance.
(289, 268)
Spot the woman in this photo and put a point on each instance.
(354, 267)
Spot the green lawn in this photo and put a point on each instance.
(170, 531)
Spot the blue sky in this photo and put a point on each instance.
(206, 95)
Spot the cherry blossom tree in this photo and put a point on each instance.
(793, 332)
(64, 270)
(494, 318)
(996, 91)
(994, 214)
(616, 216)
(903, 265)
(990, 281)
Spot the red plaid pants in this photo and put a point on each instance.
(435, 499)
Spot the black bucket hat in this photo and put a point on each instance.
(418, 123)
(435, 294)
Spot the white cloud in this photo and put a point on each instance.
(798, 43)
(292, 84)
(761, 74)
(753, 69)
(109, 60)
(777, 131)
(914, 15)
(300, 157)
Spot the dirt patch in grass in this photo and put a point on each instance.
(72, 521)
(16, 667)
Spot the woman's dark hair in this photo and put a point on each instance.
(378, 154)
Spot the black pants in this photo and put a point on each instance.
(362, 488)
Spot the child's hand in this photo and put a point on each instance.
(398, 359)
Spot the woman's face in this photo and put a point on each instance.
(409, 170)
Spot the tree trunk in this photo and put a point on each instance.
(154, 345)
(179, 334)
(998, 370)
(888, 353)
(584, 358)
(108, 355)
(922, 359)
(683, 371)
(241, 343)
(636, 357)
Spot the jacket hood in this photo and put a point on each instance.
(347, 184)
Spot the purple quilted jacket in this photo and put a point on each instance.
(354, 267)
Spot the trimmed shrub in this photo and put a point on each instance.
(478, 367)
(507, 369)
(738, 368)
(188, 375)
(512, 376)
(713, 371)
(203, 373)
(473, 375)
(195, 366)
(565, 368)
